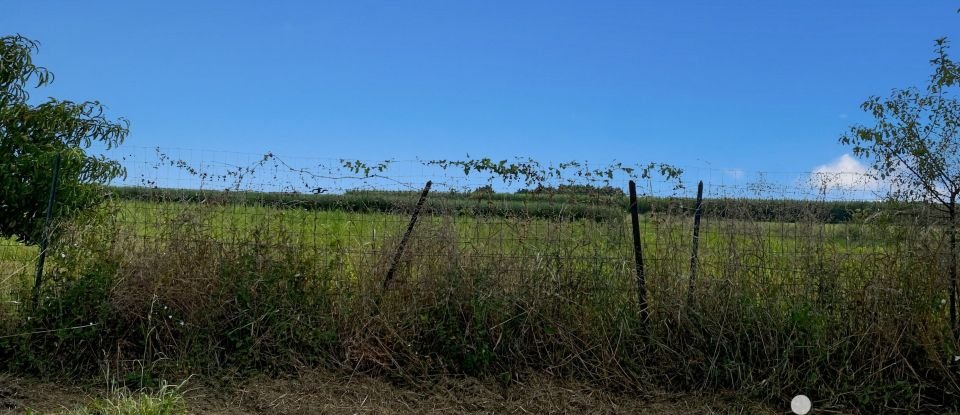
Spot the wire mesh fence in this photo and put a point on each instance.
(562, 227)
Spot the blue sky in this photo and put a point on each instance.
(752, 85)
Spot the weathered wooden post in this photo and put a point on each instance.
(406, 235)
(638, 254)
(694, 260)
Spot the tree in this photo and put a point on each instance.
(33, 135)
(913, 145)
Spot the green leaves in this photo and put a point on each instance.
(32, 135)
(17, 69)
(913, 142)
(945, 70)
(531, 172)
(359, 167)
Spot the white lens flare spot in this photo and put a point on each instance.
(801, 405)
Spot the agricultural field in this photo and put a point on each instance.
(591, 231)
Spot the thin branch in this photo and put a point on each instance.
(933, 191)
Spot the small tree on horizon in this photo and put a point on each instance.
(914, 145)
(33, 135)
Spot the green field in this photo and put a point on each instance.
(594, 203)
(358, 227)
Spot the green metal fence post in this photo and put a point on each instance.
(45, 238)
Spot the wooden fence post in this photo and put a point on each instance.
(638, 254)
(406, 235)
(694, 260)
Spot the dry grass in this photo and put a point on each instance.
(770, 318)
(317, 392)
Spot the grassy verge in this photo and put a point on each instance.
(848, 315)
(324, 392)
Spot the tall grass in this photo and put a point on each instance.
(848, 314)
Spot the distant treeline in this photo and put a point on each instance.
(568, 203)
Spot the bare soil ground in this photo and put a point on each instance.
(326, 393)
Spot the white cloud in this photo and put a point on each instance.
(736, 174)
(845, 164)
(844, 173)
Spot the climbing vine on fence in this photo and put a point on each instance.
(527, 172)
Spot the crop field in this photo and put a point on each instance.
(357, 234)
(581, 231)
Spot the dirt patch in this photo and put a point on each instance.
(18, 394)
(326, 393)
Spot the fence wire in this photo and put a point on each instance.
(181, 214)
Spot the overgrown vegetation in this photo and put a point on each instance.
(851, 314)
(914, 144)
